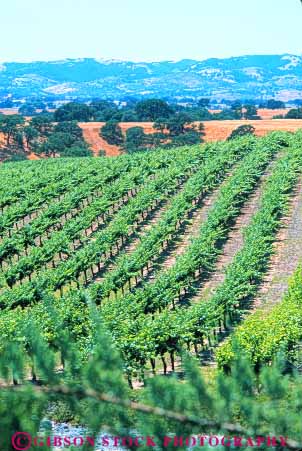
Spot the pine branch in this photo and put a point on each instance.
(144, 408)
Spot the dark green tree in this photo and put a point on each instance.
(19, 139)
(129, 115)
(94, 391)
(236, 108)
(30, 134)
(242, 130)
(136, 139)
(294, 113)
(160, 124)
(73, 111)
(204, 103)
(43, 123)
(187, 139)
(112, 133)
(10, 126)
(178, 130)
(71, 128)
(152, 109)
(60, 143)
(104, 111)
(27, 110)
(273, 104)
(226, 115)
(250, 112)
(178, 123)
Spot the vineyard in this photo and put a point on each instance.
(173, 247)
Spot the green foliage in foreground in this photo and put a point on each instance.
(96, 393)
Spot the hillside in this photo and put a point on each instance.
(250, 77)
(214, 130)
(112, 267)
(145, 236)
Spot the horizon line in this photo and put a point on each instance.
(137, 61)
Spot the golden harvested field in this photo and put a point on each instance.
(265, 113)
(214, 130)
(220, 130)
(91, 132)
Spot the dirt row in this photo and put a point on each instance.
(233, 243)
(287, 255)
(283, 263)
(285, 259)
(235, 240)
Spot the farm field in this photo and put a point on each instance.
(214, 130)
(220, 130)
(266, 113)
(174, 247)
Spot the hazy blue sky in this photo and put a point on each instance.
(148, 29)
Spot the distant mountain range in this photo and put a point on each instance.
(245, 77)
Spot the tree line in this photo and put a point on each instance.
(150, 110)
(42, 136)
(58, 133)
(176, 130)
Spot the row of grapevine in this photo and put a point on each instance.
(17, 185)
(96, 208)
(196, 324)
(152, 244)
(155, 318)
(76, 198)
(269, 330)
(37, 199)
(124, 221)
(165, 182)
(203, 251)
(60, 183)
(83, 185)
(154, 333)
(246, 271)
(63, 241)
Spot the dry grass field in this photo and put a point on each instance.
(220, 130)
(265, 113)
(214, 130)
